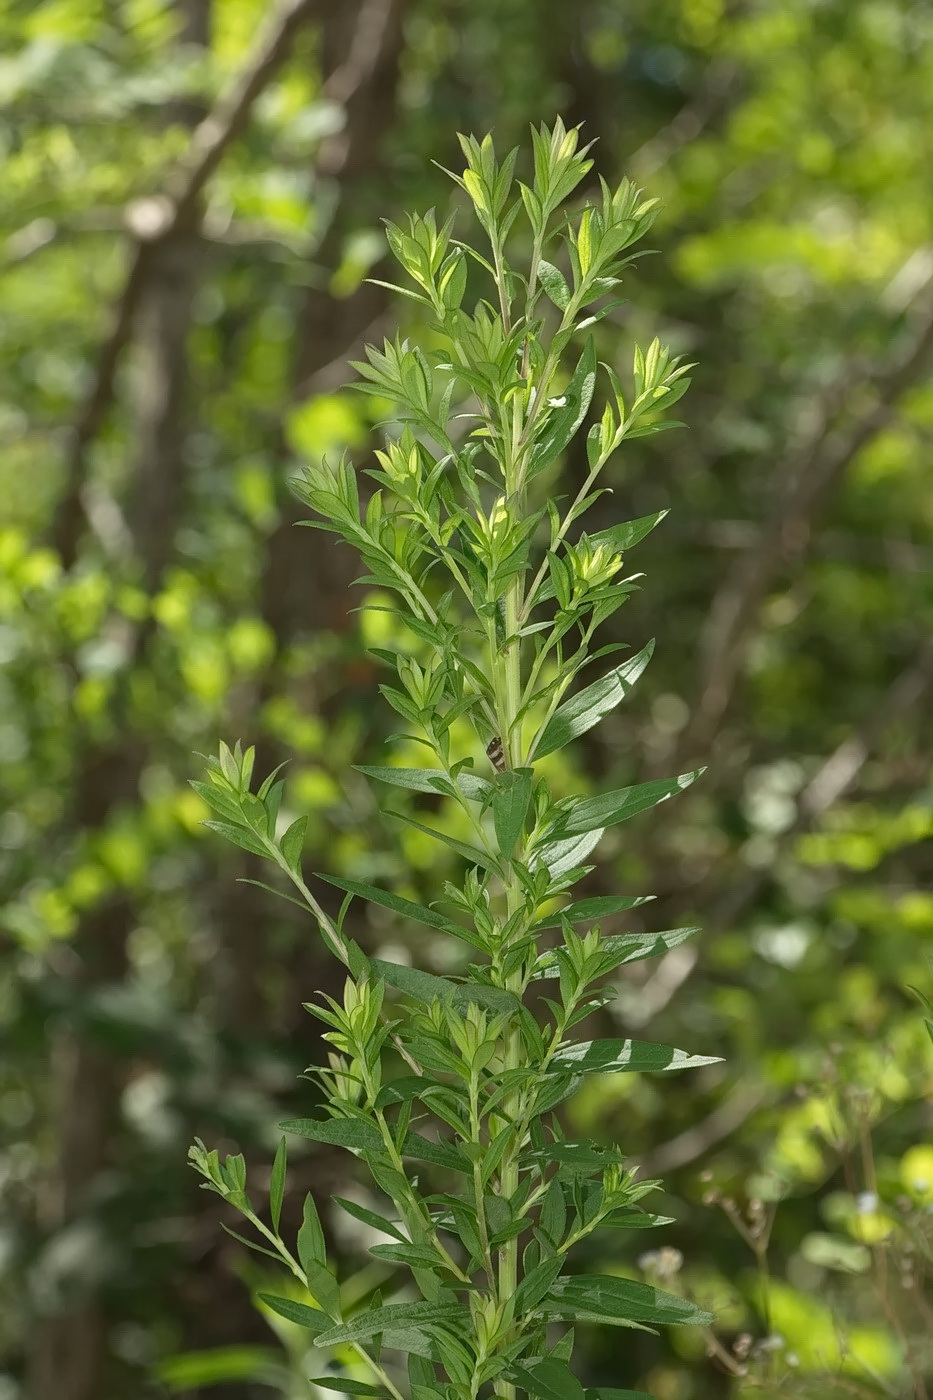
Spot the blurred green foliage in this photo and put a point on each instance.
(154, 594)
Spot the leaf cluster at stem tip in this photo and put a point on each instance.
(447, 1088)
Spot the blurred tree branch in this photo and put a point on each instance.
(835, 776)
(809, 477)
(153, 220)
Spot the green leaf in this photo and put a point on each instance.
(596, 813)
(220, 799)
(366, 1137)
(393, 1316)
(312, 1318)
(369, 1217)
(240, 837)
(292, 843)
(619, 1301)
(590, 910)
(511, 797)
(554, 283)
(416, 1256)
(586, 709)
(567, 853)
(472, 854)
(547, 1379)
(311, 1246)
(576, 1158)
(337, 1132)
(635, 1220)
(433, 780)
(617, 1056)
(567, 413)
(277, 1185)
(622, 948)
(405, 907)
(426, 987)
(346, 1387)
(619, 538)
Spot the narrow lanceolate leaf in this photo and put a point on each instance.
(240, 837)
(619, 1056)
(582, 711)
(345, 1387)
(277, 1185)
(433, 780)
(393, 1316)
(472, 854)
(369, 1217)
(619, 538)
(619, 1301)
(623, 948)
(511, 796)
(566, 853)
(596, 813)
(358, 1136)
(300, 1313)
(590, 910)
(568, 411)
(425, 987)
(547, 1379)
(418, 913)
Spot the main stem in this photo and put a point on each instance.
(509, 674)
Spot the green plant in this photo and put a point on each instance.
(497, 638)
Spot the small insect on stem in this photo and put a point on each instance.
(495, 754)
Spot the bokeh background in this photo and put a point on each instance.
(180, 300)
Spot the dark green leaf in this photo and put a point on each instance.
(619, 1301)
(311, 1244)
(568, 412)
(596, 813)
(366, 1137)
(312, 1318)
(582, 711)
(472, 854)
(277, 1185)
(623, 536)
(635, 1220)
(623, 948)
(414, 1255)
(565, 854)
(511, 797)
(590, 910)
(346, 1387)
(547, 1379)
(433, 780)
(369, 1217)
(338, 1132)
(394, 1316)
(425, 987)
(612, 1056)
(405, 907)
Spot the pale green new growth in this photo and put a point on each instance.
(454, 1081)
